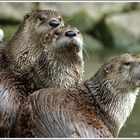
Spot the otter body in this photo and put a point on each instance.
(99, 108)
(60, 65)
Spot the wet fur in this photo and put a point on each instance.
(18, 55)
(97, 109)
(52, 69)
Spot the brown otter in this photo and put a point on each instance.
(60, 65)
(98, 108)
(26, 45)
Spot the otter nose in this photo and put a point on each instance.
(70, 34)
(54, 23)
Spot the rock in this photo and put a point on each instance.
(78, 20)
(14, 10)
(125, 30)
(129, 21)
(94, 9)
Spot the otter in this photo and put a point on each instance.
(59, 65)
(26, 44)
(98, 108)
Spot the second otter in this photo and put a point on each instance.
(61, 65)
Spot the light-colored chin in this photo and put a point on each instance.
(63, 41)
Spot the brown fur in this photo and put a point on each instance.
(12, 95)
(57, 66)
(88, 111)
(43, 74)
(21, 52)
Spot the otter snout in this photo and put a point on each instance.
(136, 71)
(54, 23)
(70, 41)
(70, 34)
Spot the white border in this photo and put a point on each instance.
(61, 1)
(72, 1)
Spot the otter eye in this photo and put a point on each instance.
(60, 19)
(27, 16)
(78, 32)
(127, 63)
(41, 18)
(56, 33)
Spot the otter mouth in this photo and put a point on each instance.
(135, 81)
(68, 45)
(72, 47)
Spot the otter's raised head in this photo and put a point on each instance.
(123, 72)
(70, 41)
(62, 59)
(43, 21)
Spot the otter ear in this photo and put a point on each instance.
(108, 69)
(27, 16)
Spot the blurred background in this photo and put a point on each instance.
(109, 29)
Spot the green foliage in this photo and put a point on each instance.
(123, 39)
(103, 34)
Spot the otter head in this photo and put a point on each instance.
(43, 21)
(123, 73)
(69, 41)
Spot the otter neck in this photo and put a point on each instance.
(112, 106)
(24, 48)
(56, 70)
